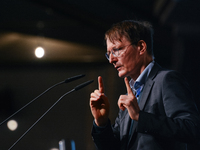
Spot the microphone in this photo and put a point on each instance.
(65, 81)
(83, 85)
(74, 78)
(74, 89)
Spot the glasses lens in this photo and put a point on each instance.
(116, 52)
(107, 55)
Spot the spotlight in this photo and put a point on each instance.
(12, 125)
(39, 52)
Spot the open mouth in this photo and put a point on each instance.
(118, 67)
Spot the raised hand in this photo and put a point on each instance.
(129, 102)
(99, 104)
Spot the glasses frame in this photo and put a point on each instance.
(115, 51)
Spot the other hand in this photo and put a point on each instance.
(99, 104)
(129, 102)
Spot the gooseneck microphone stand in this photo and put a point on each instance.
(65, 81)
(74, 89)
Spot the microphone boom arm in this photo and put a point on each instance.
(74, 89)
(65, 81)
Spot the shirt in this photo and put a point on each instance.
(140, 81)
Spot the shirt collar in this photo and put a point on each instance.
(142, 77)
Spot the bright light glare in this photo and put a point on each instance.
(39, 52)
(54, 149)
(12, 125)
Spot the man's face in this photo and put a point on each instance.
(128, 63)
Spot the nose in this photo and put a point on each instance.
(112, 59)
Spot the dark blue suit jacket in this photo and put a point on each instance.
(168, 118)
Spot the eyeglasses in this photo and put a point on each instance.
(116, 52)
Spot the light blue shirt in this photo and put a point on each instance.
(140, 81)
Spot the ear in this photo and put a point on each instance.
(142, 46)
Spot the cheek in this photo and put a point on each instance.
(128, 62)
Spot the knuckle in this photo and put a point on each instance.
(96, 91)
(119, 102)
(122, 96)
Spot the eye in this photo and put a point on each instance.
(116, 49)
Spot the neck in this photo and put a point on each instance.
(146, 61)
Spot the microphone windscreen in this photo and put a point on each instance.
(83, 85)
(74, 78)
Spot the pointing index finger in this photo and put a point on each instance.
(100, 81)
(129, 90)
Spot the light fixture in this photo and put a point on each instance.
(12, 125)
(39, 52)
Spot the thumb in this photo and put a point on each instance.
(100, 81)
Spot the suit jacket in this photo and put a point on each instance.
(167, 121)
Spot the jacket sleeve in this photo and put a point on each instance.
(181, 121)
(105, 138)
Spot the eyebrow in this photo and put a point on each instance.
(119, 47)
(115, 47)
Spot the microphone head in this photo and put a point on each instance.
(83, 85)
(74, 78)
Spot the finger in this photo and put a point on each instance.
(100, 81)
(93, 99)
(120, 105)
(129, 90)
(94, 95)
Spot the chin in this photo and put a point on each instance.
(122, 74)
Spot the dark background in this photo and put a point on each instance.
(72, 32)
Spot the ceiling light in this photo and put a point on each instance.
(12, 125)
(39, 52)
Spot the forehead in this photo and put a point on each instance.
(116, 42)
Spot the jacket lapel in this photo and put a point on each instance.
(148, 86)
(145, 93)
